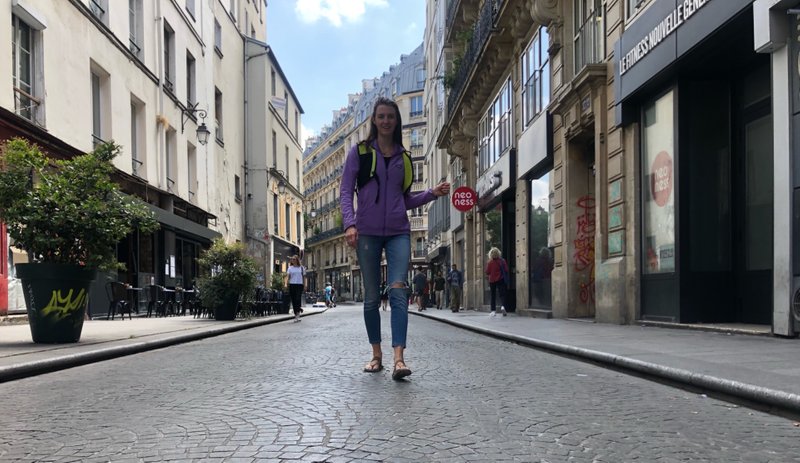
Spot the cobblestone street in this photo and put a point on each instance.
(295, 392)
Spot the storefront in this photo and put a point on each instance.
(689, 81)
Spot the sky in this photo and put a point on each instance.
(326, 47)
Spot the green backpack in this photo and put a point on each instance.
(368, 158)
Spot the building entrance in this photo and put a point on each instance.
(726, 194)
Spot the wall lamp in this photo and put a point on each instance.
(313, 213)
(202, 130)
(281, 181)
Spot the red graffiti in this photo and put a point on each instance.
(583, 258)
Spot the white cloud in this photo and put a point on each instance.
(335, 11)
(305, 132)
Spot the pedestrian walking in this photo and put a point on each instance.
(455, 282)
(295, 276)
(328, 295)
(384, 295)
(438, 290)
(497, 270)
(420, 283)
(381, 170)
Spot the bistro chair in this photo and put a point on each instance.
(118, 300)
(156, 301)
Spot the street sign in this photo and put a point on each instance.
(464, 198)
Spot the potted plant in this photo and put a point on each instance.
(227, 273)
(69, 216)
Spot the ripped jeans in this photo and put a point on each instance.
(398, 254)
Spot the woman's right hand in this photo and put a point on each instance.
(351, 235)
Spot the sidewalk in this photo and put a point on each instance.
(761, 369)
(106, 339)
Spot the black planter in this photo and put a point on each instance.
(226, 310)
(56, 296)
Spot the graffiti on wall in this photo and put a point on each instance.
(583, 258)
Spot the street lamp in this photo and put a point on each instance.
(202, 130)
(313, 213)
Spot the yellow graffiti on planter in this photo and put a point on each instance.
(61, 307)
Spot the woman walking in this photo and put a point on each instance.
(380, 169)
(497, 269)
(294, 279)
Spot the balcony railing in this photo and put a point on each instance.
(480, 35)
(26, 105)
(419, 254)
(134, 47)
(327, 234)
(330, 149)
(589, 41)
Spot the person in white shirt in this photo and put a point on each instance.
(294, 280)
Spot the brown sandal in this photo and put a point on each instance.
(400, 372)
(375, 365)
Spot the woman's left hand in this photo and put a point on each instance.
(441, 189)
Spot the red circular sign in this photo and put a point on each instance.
(464, 198)
(661, 178)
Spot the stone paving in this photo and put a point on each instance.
(295, 392)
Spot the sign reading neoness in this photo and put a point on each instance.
(669, 24)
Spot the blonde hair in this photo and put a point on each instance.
(494, 253)
(294, 259)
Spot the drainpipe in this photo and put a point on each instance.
(161, 133)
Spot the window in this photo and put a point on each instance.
(535, 67)
(286, 107)
(233, 10)
(297, 226)
(172, 160)
(237, 187)
(297, 171)
(274, 150)
(218, 114)
(589, 30)
(286, 155)
(296, 124)
(217, 37)
(169, 53)
(273, 81)
(191, 97)
(633, 6)
(137, 136)
(190, 8)
(416, 106)
(275, 216)
(494, 129)
(420, 73)
(136, 28)
(100, 105)
(99, 9)
(658, 204)
(416, 139)
(418, 172)
(394, 87)
(191, 165)
(288, 224)
(25, 62)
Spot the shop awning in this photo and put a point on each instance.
(178, 223)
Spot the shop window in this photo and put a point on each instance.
(658, 197)
(540, 249)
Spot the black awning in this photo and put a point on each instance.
(180, 224)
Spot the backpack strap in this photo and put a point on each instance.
(367, 159)
(408, 170)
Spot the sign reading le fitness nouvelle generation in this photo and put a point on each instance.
(663, 29)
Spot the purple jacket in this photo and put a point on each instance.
(387, 216)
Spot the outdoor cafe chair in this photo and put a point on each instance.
(118, 300)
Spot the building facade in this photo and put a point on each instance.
(332, 260)
(165, 80)
(632, 155)
(273, 181)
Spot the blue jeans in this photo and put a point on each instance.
(398, 254)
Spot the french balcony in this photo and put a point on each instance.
(324, 236)
(27, 105)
